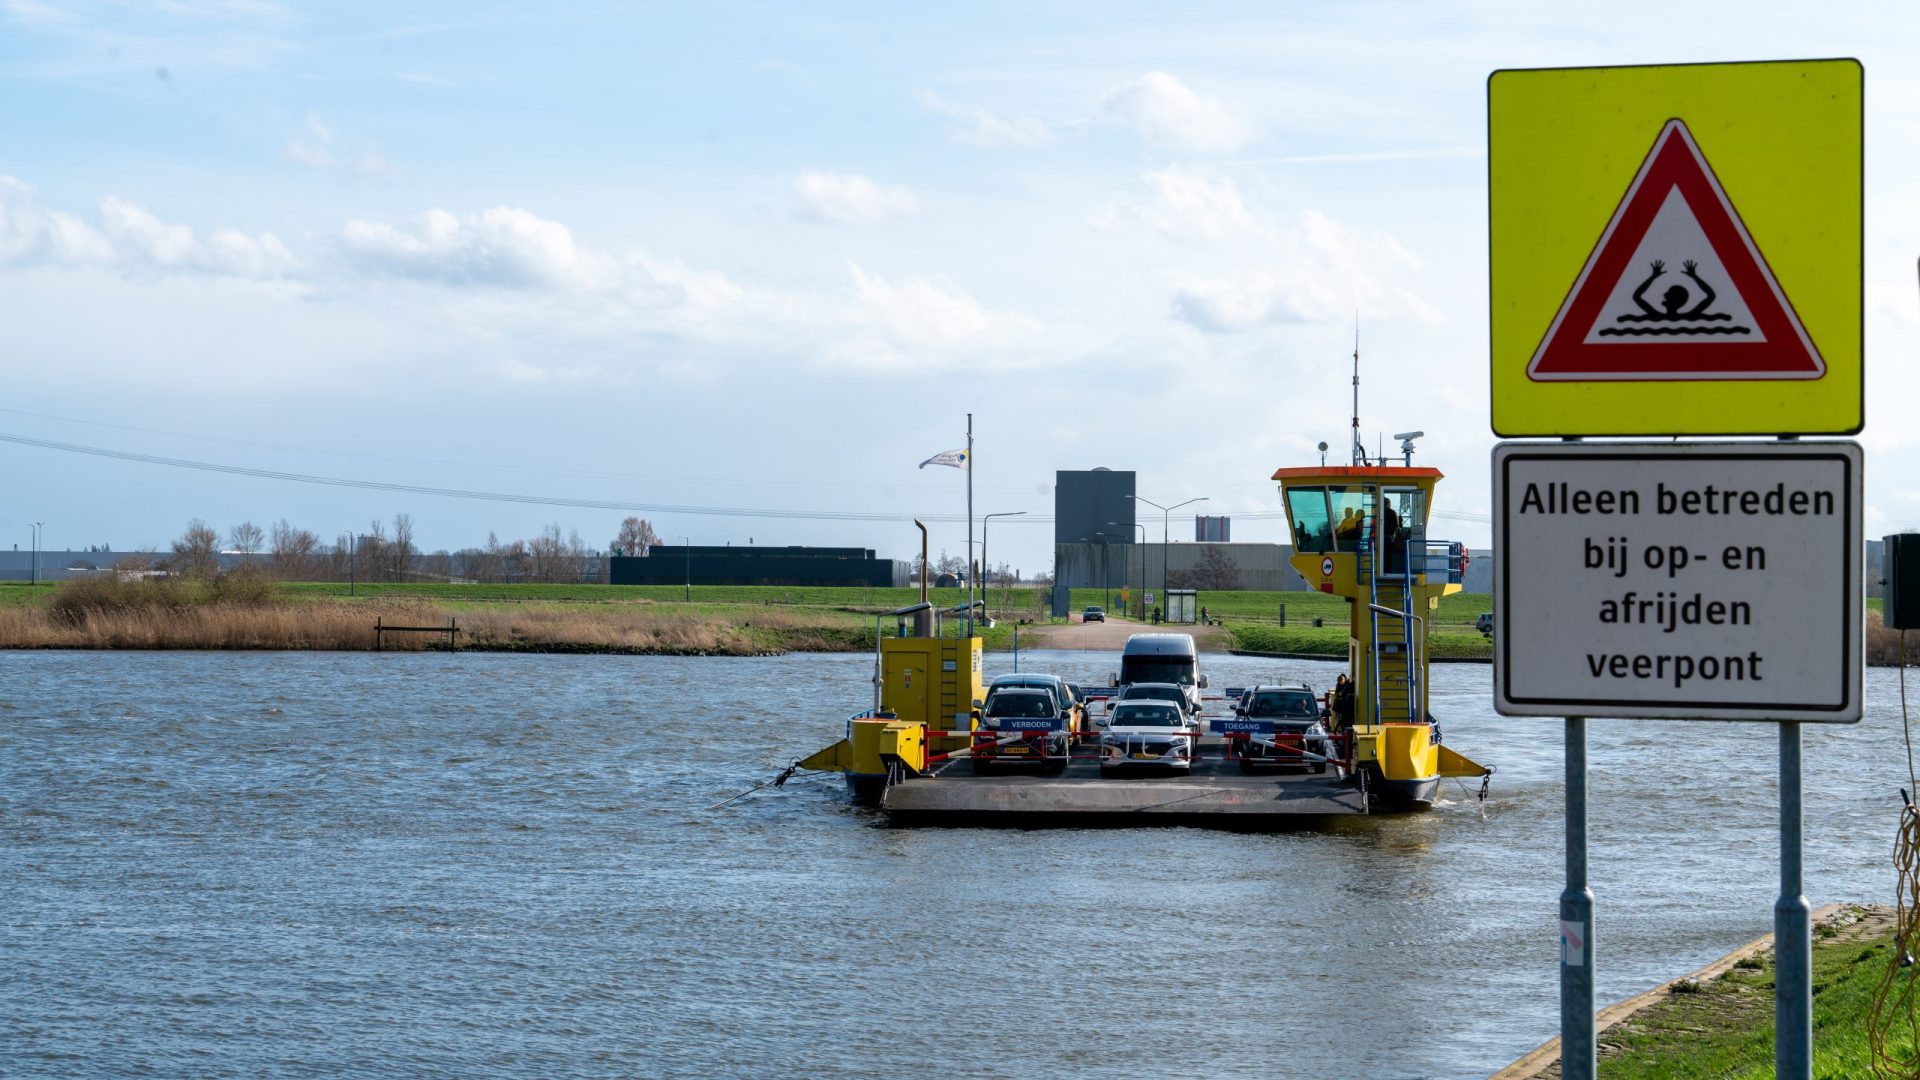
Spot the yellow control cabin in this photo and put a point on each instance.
(1360, 531)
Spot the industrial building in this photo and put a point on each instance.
(668, 564)
(1093, 511)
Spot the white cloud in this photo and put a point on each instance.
(503, 246)
(302, 152)
(1187, 204)
(32, 235)
(1235, 303)
(130, 239)
(1169, 112)
(141, 239)
(975, 126)
(851, 199)
(919, 320)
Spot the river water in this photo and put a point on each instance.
(301, 864)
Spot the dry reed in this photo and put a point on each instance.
(328, 624)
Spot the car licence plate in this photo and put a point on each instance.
(1141, 755)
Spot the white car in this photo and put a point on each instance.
(1154, 734)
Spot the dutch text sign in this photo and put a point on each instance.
(1690, 581)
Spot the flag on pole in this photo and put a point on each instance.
(956, 458)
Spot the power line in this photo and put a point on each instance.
(461, 493)
(555, 500)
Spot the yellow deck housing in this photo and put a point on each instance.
(933, 682)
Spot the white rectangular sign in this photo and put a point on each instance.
(1713, 581)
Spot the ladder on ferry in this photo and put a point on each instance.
(1396, 633)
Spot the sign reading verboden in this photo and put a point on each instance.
(1676, 250)
(1716, 581)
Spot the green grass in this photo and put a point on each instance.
(1726, 1028)
(21, 594)
(1302, 607)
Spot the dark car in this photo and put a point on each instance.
(1273, 724)
(1484, 623)
(1093, 614)
(1021, 725)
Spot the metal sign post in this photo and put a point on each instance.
(1579, 1044)
(1792, 928)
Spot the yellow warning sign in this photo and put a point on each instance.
(1676, 250)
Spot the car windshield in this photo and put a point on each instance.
(1146, 716)
(1283, 703)
(1019, 705)
(1162, 693)
(1170, 669)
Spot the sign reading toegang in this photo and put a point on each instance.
(1691, 581)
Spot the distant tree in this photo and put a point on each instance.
(196, 552)
(547, 554)
(1217, 569)
(293, 550)
(401, 553)
(245, 537)
(636, 537)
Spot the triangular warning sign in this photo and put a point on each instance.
(1675, 289)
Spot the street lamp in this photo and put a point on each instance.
(1143, 558)
(37, 526)
(687, 545)
(1166, 520)
(986, 568)
(1105, 600)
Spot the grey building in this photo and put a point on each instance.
(670, 564)
(1093, 509)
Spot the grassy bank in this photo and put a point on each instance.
(1723, 1026)
(238, 613)
(740, 620)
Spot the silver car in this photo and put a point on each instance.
(1154, 734)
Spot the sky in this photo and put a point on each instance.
(746, 266)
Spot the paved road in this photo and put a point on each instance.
(1112, 635)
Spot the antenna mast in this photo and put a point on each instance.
(1359, 448)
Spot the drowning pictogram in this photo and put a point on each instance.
(1674, 320)
(1629, 316)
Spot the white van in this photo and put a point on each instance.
(1163, 658)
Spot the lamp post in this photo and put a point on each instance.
(1166, 523)
(1143, 557)
(1105, 600)
(986, 568)
(687, 546)
(37, 526)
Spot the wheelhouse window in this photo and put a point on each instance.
(1329, 518)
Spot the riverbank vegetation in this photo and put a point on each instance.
(1723, 1026)
(243, 610)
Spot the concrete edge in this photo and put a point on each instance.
(1537, 1060)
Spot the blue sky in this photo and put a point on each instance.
(768, 257)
